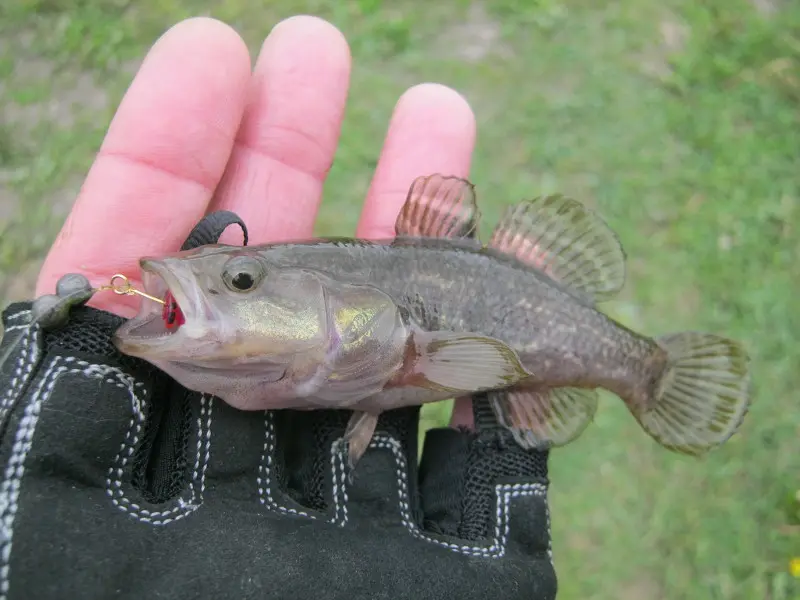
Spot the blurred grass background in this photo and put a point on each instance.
(677, 119)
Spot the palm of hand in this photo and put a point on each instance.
(199, 131)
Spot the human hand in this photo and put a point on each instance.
(197, 132)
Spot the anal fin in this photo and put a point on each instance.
(439, 206)
(540, 417)
(565, 240)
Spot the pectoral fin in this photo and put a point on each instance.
(565, 240)
(439, 207)
(464, 363)
(540, 417)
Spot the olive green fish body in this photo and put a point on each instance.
(436, 314)
(461, 286)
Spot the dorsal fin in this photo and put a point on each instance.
(562, 238)
(438, 206)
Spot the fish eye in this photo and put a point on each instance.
(242, 274)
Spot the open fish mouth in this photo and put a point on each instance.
(156, 320)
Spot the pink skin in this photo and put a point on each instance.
(199, 130)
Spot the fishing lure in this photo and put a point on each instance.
(51, 311)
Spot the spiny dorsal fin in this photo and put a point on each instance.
(440, 207)
(562, 238)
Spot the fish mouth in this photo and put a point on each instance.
(181, 309)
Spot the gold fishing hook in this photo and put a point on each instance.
(126, 288)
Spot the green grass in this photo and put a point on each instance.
(689, 147)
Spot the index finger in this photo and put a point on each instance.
(162, 157)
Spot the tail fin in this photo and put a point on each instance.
(703, 396)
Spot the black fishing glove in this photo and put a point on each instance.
(119, 483)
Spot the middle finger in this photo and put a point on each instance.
(288, 136)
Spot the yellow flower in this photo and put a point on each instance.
(794, 567)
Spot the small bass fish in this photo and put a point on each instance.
(434, 314)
